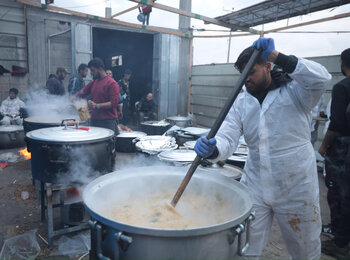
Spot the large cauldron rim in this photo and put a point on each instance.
(146, 171)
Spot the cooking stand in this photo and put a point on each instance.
(47, 191)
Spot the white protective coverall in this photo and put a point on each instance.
(11, 107)
(280, 171)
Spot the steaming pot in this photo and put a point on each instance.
(180, 121)
(37, 122)
(57, 152)
(11, 136)
(154, 127)
(124, 141)
(184, 135)
(117, 240)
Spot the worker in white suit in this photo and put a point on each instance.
(274, 114)
(10, 109)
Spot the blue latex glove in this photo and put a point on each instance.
(204, 147)
(267, 45)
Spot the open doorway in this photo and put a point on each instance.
(122, 50)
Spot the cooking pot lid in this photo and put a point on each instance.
(69, 134)
(197, 131)
(155, 123)
(57, 119)
(179, 118)
(128, 134)
(10, 128)
(190, 144)
(226, 170)
(154, 144)
(178, 156)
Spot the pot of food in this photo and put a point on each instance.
(124, 141)
(70, 154)
(11, 136)
(178, 157)
(134, 223)
(154, 127)
(180, 121)
(154, 144)
(36, 122)
(184, 135)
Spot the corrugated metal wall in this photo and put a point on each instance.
(13, 49)
(212, 84)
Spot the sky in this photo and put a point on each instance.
(207, 51)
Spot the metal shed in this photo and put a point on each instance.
(58, 39)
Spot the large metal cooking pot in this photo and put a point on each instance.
(58, 153)
(154, 127)
(180, 121)
(124, 141)
(37, 122)
(178, 157)
(154, 144)
(11, 136)
(186, 134)
(121, 240)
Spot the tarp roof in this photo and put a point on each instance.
(274, 10)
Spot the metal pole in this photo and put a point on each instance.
(229, 48)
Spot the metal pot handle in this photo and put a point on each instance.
(97, 236)
(238, 231)
(122, 242)
(135, 140)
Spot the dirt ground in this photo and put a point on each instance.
(19, 216)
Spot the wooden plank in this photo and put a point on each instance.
(215, 91)
(13, 41)
(204, 121)
(214, 80)
(11, 14)
(11, 28)
(196, 16)
(108, 20)
(211, 112)
(126, 11)
(12, 54)
(218, 102)
(215, 69)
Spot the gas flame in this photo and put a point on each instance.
(24, 152)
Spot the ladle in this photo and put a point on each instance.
(215, 128)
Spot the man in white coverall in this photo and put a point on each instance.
(274, 114)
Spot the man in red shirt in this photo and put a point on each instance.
(104, 96)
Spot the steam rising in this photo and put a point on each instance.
(41, 104)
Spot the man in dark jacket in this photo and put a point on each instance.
(336, 150)
(76, 83)
(147, 108)
(54, 84)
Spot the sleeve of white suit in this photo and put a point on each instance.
(228, 135)
(310, 81)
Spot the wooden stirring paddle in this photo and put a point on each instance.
(216, 126)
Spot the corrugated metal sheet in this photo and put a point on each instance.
(274, 10)
(12, 35)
